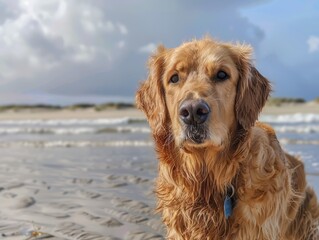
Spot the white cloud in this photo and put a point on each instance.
(121, 44)
(84, 53)
(149, 48)
(122, 28)
(80, 47)
(48, 34)
(313, 44)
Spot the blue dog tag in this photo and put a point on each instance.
(228, 207)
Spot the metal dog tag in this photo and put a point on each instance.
(228, 207)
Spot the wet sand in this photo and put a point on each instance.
(70, 194)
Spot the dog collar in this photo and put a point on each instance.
(229, 201)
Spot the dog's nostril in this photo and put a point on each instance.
(202, 111)
(184, 112)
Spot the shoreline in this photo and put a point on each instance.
(91, 113)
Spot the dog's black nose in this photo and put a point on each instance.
(193, 112)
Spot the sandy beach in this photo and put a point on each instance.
(79, 175)
(90, 113)
(70, 114)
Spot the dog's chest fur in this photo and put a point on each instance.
(191, 195)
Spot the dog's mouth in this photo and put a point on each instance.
(195, 134)
(199, 137)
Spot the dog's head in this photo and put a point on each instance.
(202, 91)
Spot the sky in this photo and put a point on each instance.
(75, 51)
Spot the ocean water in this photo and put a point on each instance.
(298, 134)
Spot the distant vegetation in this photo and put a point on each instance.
(107, 106)
(280, 101)
(79, 106)
(18, 107)
(317, 100)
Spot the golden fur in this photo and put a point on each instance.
(272, 200)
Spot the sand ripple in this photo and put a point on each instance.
(75, 198)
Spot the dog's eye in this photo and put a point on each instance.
(174, 78)
(221, 76)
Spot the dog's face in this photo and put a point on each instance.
(202, 91)
(200, 83)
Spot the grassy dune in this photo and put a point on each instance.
(271, 103)
(281, 101)
(79, 106)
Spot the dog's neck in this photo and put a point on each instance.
(195, 184)
(202, 168)
(211, 163)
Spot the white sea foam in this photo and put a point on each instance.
(68, 122)
(285, 118)
(128, 129)
(297, 129)
(291, 118)
(71, 131)
(58, 131)
(298, 141)
(75, 144)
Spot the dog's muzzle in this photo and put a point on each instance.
(194, 114)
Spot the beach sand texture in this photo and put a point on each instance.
(95, 181)
(66, 196)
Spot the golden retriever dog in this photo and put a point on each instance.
(222, 174)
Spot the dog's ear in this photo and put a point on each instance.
(150, 97)
(252, 88)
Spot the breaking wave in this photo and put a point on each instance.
(72, 122)
(75, 144)
(72, 131)
(290, 118)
